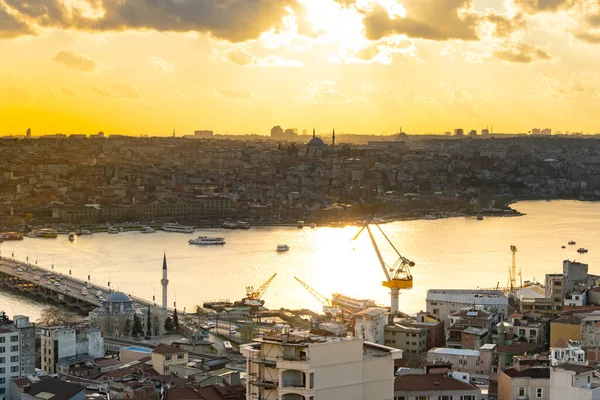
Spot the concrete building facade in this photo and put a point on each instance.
(17, 350)
(410, 339)
(61, 344)
(305, 366)
(370, 323)
(443, 302)
(530, 383)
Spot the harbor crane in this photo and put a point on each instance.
(397, 276)
(253, 297)
(328, 307)
(512, 272)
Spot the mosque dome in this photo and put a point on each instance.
(316, 142)
(117, 297)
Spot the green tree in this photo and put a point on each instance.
(175, 320)
(138, 329)
(169, 324)
(149, 325)
(126, 328)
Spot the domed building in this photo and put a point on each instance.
(316, 147)
(115, 316)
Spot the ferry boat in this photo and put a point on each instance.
(571, 243)
(205, 240)
(147, 229)
(177, 228)
(582, 250)
(243, 225)
(282, 247)
(11, 236)
(47, 233)
(230, 225)
(72, 236)
(112, 230)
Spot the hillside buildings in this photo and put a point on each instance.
(17, 350)
(64, 347)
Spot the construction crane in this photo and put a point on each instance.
(253, 297)
(397, 276)
(512, 273)
(328, 307)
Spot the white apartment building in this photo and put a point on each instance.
(570, 352)
(443, 302)
(308, 367)
(60, 344)
(574, 382)
(370, 324)
(17, 350)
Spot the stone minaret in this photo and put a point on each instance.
(333, 137)
(164, 282)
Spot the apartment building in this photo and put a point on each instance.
(408, 387)
(164, 357)
(443, 302)
(570, 381)
(530, 383)
(370, 323)
(17, 350)
(307, 366)
(64, 346)
(411, 340)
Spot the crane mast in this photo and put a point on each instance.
(513, 268)
(253, 296)
(328, 307)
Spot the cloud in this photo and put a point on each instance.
(323, 91)
(234, 93)
(161, 64)
(119, 90)
(544, 5)
(68, 92)
(244, 58)
(11, 27)
(521, 53)
(75, 60)
(379, 51)
(17, 93)
(436, 20)
(232, 20)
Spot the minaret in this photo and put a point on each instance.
(333, 137)
(314, 135)
(164, 282)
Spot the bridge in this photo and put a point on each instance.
(46, 284)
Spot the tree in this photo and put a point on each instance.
(169, 324)
(149, 324)
(126, 328)
(175, 320)
(55, 316)
(137, 329)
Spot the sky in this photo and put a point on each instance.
(242, 66)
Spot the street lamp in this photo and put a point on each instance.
(175, 298)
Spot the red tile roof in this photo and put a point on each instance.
(167, 349)
(424, 383)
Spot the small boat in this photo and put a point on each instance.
(84, 232)
(205, 240)
(177, 228)
(282, 247)
(12, 236)
(32, 234)
(112, 230)
(230, 225)
(313, 225)
(480, 218)
(582, 250)
(300, 224)
(72, 236)
(571, 243)
(47, 233)
(429, 217)
(563, 247)
(147, 229)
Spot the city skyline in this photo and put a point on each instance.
(363, 66)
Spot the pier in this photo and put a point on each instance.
(34, 280)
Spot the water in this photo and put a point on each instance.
(449, 253)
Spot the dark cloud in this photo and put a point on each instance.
(544, 5)
(233, 20)
(10, 27)
(436, 20)
(588, 37)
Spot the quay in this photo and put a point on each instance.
(21, 276)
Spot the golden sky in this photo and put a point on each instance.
(242, 66)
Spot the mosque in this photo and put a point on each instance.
(115, 316)
(317, 148)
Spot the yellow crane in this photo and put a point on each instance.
(253, 297)
(397, 276)
(327, 303)
(512, 272)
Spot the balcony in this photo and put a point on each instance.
(265, 383)
(300, 363)
(264, 361)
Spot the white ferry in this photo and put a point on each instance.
(230, 225)
(147, 229)
(177, 228)
(243, 225)
(282, 247)
(205, 240)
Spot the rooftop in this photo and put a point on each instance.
(533, 373)
(426, 383)
(55, 389)
(454, 352)
(578, 369)
(167, 349)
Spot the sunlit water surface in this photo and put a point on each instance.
(449, 253)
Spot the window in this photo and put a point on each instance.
(14, 358)
(14, 338)
(521, 391)
(2, 380)
(14, 348)
(312, 380)
(446, 398)
(2, 349)
(539, 393)
(2, 339)
(180, 356)
(422, 398)
(2, 370)
(14, 369)
(2, 360)
(168, 358)
(2, 390)
(436, 311)
(467, 397)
